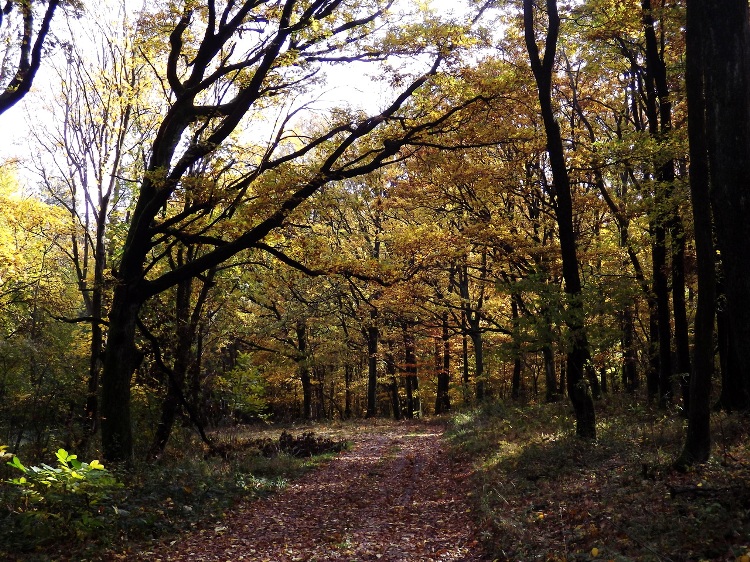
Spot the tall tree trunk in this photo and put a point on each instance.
(734, 396)
(667, 217)
(182, 359)
(413, 403)
(725, 43)
(578, 356)
(563, 379)
(681, 337)
(372, 365)
(652, 376)
(629, 359)
(697, 446)
(120, 362)
(515, 382)
(476, 339)
(186, 334)
(442, 365)
(303, 366)
(663, 317)
(550, 379)
(465, 358)
(97, 312)
(390, 369)
(348, 376)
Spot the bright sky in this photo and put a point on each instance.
(349, 85)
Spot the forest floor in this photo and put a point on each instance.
(396, 495)
(504, 482)
(544, 494)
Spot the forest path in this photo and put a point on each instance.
(396, 495)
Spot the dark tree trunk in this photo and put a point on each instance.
(578, 356)
(473, 326)
(734, 395)
(681, 337)
(562, 389)
(413, 404)
(629, 359)
(95, 362)
(120, 362)
(186, 334)
(666, 214)
(725, 43)
(515, 382)
(97, 312)
(697, 447)
(442, 364)
(465, 358)
(303, 366)
(550, 378)
(663, 317)
(652, 376)
(395, 399)
(476, 339)
(372, 365)
(179, 371)
(390, 369)
(348, 376)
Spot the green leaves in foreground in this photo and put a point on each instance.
(51, 503)
(70, 476)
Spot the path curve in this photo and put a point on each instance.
(395, 496)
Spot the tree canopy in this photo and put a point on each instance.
(512, 202)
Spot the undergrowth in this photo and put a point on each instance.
(153, 500)
(543, 494)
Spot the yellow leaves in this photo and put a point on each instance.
(31, 235)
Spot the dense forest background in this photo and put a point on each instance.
(511, 202)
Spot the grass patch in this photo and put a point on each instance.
(543, 494)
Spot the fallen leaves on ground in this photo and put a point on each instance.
(547, 495)
(396, 495)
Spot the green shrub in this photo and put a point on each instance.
(47, 483)
(51, 502)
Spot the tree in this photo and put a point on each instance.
(215, 79)
(697, 447)
(725, 40)
(98, 128)
(41, 359)
(24, 27)
(578, 354)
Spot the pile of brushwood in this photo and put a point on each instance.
(303, 446)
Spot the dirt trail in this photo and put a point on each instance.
(396, 496)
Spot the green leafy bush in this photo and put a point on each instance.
(51, 502)
(71, 476)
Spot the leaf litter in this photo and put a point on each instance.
(397, 495)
